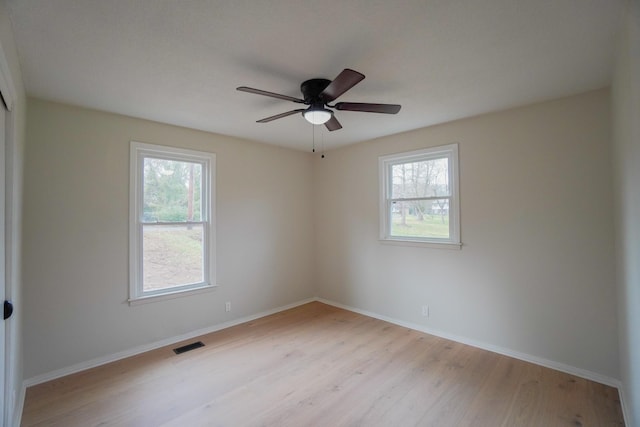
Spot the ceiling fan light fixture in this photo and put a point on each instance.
(318, 93)
(317, 116)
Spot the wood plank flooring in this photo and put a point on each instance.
(317, 365)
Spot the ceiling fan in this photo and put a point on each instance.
(318, 93)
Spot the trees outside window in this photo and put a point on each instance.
(419, 196)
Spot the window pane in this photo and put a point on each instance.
(172, 191)
(172, 256)
(420, 218)
(427, 178)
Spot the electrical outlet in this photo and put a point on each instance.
(425, 310)
(227, 306)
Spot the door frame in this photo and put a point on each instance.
(12, 386)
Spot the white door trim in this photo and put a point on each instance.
(11, 190)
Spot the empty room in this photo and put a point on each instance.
(340, 213)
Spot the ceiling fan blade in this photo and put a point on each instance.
(347, 79)
(333, 124)
(271, 94)
(368, 108)
(279, 116)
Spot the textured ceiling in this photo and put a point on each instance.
(179, 61)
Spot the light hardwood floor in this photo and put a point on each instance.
(317, 365)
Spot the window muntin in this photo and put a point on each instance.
(172, 248)
(419, 196)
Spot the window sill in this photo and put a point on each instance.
(418, 244)
(171, 295)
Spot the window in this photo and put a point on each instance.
(172, 247)
(419, 199)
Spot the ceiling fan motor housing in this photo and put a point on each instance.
(311, 90)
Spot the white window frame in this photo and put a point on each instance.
(385, 164)
(138, 152)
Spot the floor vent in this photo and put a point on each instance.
(188, 347)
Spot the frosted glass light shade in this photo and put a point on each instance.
(317, 116)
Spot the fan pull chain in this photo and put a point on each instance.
(322, 143)
(313, 138)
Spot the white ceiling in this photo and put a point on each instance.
(179, 61)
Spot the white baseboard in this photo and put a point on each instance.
(578, 372)
(38, 379)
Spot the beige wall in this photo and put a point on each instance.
(76, 235)
(535, 274)
(626, 131)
